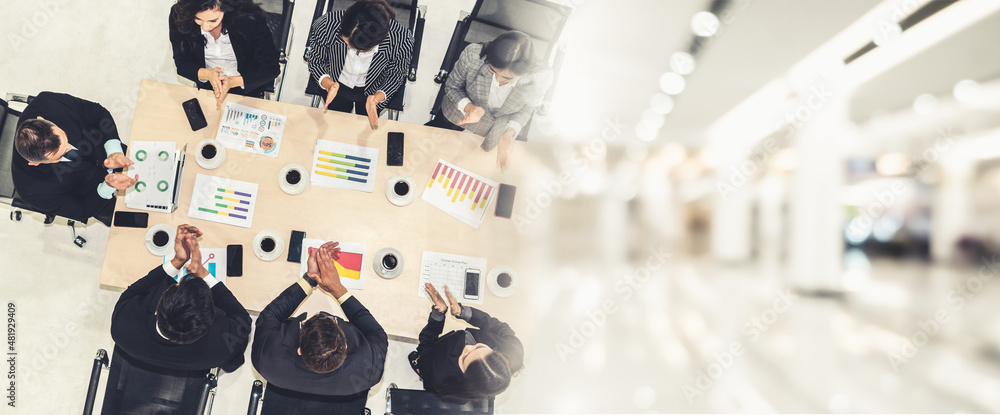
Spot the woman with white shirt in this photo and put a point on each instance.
(493, 91)
(225, 45)
(360, 57)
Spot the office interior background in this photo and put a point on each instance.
(736, 206)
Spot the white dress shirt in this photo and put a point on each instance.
(219, 54)
(356, 66)
(498, 95)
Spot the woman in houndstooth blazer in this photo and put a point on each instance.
(360, 56)
(494, 90)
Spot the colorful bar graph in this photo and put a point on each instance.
(229, 199)
(233, 192)
(236, 208)
(222, 213)
(459, 192)
(345, 156)
(341, 176)
(361, 173)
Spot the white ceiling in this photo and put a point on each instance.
(618, 50)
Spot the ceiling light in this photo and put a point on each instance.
(966, 90)
(672, 83)
(705, 24)
(682, 63)
(645, 132)
(662, 103)
(925, 104)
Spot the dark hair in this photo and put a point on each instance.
(183, 13)
(511, 50)
(324, 347)
(366, 23)
(35, 139)
(186, 311)
(485, 377)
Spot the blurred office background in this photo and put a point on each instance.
(735, 206)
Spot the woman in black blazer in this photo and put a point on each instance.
(240, 57)
(466, 364)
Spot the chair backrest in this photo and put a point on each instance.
(8, 125)
(280, 401)
(279, 20)
(421, 402)
(135, 387)
(541, 19)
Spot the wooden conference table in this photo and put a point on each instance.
(326, 213)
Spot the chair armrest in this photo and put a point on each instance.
(211, 381)
(461, 27)
(255, 395)
(418, 36)
(100, 362)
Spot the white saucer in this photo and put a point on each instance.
(381, 271)
(279, 246)
(220, 155)
(164, 250)
(495, 288)
(293, 189)
(396, 199)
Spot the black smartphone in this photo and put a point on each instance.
(192, 109)
(234, 260)
(295, 246)
(472, 284)
(394, 150)
(505, 201)
(131, 219)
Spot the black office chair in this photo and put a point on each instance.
(277, 401)
(9, 118)
(408, 14)
(421, 402)
(279, 20)
(134, 387)
(541, 19)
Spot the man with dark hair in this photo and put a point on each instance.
(324, 361)
(67, 149)
(194, 324)
(360, 57)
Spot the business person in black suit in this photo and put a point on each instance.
(224, 45)
(325, 362)
(466, 364)
(360, 57)
(194, 324)
(67, 149)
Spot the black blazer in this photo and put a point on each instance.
(256, 55)
(67, 189)
(439, 355)
(389, 65)
(275, 349)
(133, 328)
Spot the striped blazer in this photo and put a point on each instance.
(389, 65)
(471, 78)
